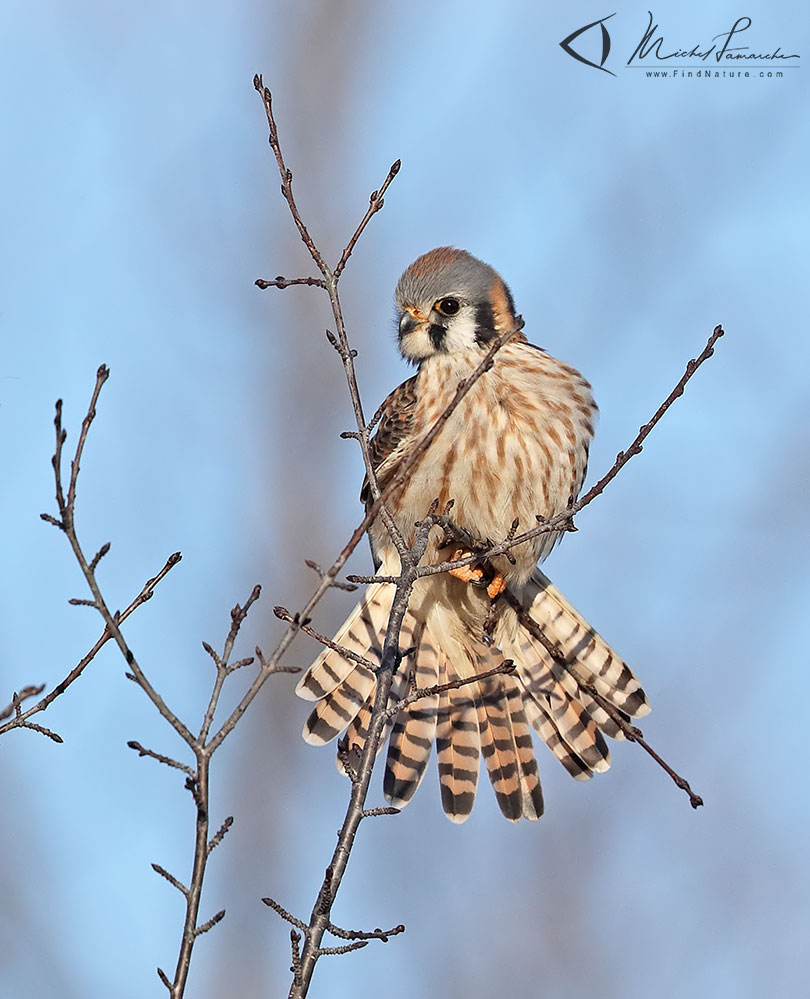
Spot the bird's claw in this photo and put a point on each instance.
(495, 582)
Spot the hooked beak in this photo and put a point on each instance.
(409, 320)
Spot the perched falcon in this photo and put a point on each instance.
(515, 447)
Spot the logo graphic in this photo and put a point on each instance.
(565, 44)
(722, 56)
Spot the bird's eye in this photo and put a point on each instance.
(448, 306)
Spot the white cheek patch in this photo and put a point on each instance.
(460, 334)
(417, 345)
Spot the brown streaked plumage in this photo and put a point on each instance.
(515, 447)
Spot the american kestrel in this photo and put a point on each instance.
(515, 447)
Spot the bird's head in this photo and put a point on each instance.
(448, 302)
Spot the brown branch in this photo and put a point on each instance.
(338, 585)
(319, 920)
(286, 916)
(331, 278)
(143, 751)
(564, 521)
(406, 468)
(171, 879)
(22, 695)
(377, 934)
(197, 778)
(286, 176)
(375, 203)
(282, 282)
(507, 667)
(284, 615)
(632, 733)
(345, 949)
(66, 524)
(219, 835)
(210, 923)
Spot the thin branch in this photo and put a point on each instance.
(391, 657)
(506, 667)
(284, 615)
(16, 699)
(143, 751)
(295, 939)
(338, 585)
(632, 733)
(345, 949)
(197, 780)
(145, 594)
(171, 879)
(286, 916)
(282, 282)
(219, 835)
(304, 962)
(564, 521)
(331, 279)
(210, 924)
(286, 175)
(377, 934)
(238, 615)
(375, 203)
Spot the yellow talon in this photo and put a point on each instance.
(466, 573)
(497, 586)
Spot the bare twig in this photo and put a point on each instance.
(65, 522)
(632, 733)
(284, 615)
(197, 778)
(171, 879)
(377, 934)
(143, 751)
(349, 587)
(375, 203)
(562, 521)
(295, 939)
(219, 835)
(288, 917)
(282, 282)
(507, 667)
(210, 923)
(22, 695)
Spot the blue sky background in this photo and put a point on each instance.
(629, 215)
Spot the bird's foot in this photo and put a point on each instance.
(467, 573)
(495, 582)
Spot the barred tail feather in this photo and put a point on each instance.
(530, 791)
(587, 654)
(555, 694)
(354, 738)
(458, 749)
(362, 633)
(415, 727)
(339, 708)
(543, 723)
(498, 745)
